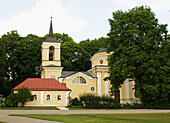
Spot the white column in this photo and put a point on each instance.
(67, 98)
(127, 90)
(133, 86)
(60, 80)
(41, 99)
(106, 85)
(120, 89)
(99, 93)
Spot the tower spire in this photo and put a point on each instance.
(51, 29)
(51, 36)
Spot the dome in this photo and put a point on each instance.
(101, 50)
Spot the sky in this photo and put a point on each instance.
(80, 19)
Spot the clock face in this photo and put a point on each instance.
(92, 88)
(101, 61)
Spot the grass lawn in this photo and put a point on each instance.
(105, 118)
(29, 108)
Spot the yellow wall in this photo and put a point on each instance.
(100, 56)
(79, 89)
(38, 93)
(47, 72)
(45, 54)
(53, 98)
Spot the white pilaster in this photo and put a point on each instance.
(106, 85)
(133, 86)
(120, 89)
(41, 100)
(67, 98)
(127, 90)
(99, 93)
(60, 80)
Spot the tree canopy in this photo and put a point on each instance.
(141, 49)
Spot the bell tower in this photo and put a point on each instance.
(51, 63)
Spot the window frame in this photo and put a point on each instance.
(35, 98)
(58, 97)
(79, 80)
(48, 97)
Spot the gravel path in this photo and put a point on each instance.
(11, 119)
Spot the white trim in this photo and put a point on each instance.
(79, 73)
(30, 105)
(52, 67)
(106, 85)
(60, 80)
(41, 98)
(67, 97)
(127, 90)
(52, 43)
(120, 89)
(98, 67)
(79, 80)
(133, 85)
(99, 57)
(99, 83)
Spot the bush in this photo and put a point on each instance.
(76, 102)
(24, 95)
(92, 101)
(11, 100)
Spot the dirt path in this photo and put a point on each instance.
(11, 119)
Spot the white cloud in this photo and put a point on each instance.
(37, 20)
(156, 5)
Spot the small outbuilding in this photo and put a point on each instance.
(46, 91)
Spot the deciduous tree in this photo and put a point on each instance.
(141, 50)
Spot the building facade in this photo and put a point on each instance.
(56, 86)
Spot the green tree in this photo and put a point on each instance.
(11, 41)
(62, 38)
(24, 95)
(141, 50)
(91, 47)
(4, 85)
(28, 56)
(11, 100)
(74, 57)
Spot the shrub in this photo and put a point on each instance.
(76, 102)
(92, 101)
(24, 95)
(11, 100)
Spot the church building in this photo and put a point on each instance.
(56, 87)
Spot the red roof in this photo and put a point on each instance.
(38, 84)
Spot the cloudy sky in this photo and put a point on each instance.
(81, 19)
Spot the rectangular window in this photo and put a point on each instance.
(35, 97)
(59, 97)
(48, 97)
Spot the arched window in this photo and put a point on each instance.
(79, 80)
(48, 97)
(35, 97)
(51, 53)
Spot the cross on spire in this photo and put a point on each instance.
(51, 36)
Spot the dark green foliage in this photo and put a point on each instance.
(91, 47)
(11, 100)
(62, 38)
(73, 57)
(92, 101)
(24, 96)
(141, 50)
(76, 102)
